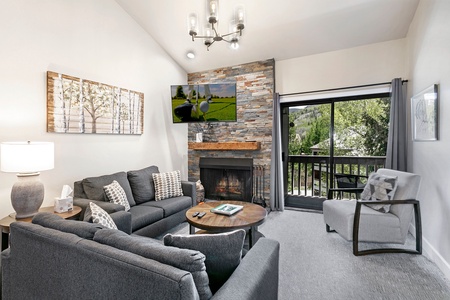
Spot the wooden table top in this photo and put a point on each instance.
(250, 215)
(6, 221)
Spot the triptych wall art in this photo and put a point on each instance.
(76, 105)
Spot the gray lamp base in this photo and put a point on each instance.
(27, 195)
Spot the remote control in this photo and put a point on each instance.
(195, 214)
(200, 215)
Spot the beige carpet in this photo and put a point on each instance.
(318, 265)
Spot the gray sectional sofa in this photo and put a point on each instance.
(53, 258)
(148, 217)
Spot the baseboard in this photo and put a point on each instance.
(436, 257)
(430, 252)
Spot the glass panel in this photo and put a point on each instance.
(309, 135)
(359, 130)
(360, 139)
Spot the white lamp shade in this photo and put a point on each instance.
(27, 157)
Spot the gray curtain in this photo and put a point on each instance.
(276, 167)
(396, 156)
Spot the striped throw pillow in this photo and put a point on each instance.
(167, 185)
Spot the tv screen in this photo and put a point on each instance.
(204, 103)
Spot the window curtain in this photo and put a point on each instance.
(276, 167)
(396, 157)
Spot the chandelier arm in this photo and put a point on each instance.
(207, 47)
(230, 33)
(214, 29)
(203, 37)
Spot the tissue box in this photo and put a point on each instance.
(63, 205)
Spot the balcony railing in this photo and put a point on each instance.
(309, 175)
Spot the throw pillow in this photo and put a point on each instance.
(184, 259)
(167, 185)
(379, 187)
(115, 194)
(223, 252)
(141, 182)
(95, 214)
(93, 186)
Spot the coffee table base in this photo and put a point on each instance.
(249, 218)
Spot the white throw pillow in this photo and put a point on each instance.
(167, 185)
(100, 216)
(116, 194)
(380, 187)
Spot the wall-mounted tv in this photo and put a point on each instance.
(204, 103)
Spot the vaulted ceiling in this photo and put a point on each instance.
(279, 29)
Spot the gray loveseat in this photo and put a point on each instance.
(66, 259)
(148, 217)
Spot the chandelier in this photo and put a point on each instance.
(210, 34)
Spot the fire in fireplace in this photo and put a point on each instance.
(227, 178)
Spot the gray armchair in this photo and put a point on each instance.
(357, 222)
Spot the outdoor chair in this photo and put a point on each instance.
(355, 221)
(347, 183)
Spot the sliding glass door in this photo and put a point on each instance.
(330, 136)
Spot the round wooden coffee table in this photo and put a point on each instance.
(249, 217)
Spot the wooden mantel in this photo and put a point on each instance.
(248, 146)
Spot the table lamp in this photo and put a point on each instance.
(27, 159)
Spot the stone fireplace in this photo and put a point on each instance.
(227, 178)
(248, 138)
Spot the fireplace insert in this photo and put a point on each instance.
(227, 178)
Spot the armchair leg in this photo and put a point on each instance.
(418, 224)
(328, 228)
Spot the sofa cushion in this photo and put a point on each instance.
(93, 186)
(144, 215)
(167, 185)
(115, 194)
(379, 187)
(172, 205)
(95, 214)
(141, 182)
(188, 260)
(223, 252)
(82, 229)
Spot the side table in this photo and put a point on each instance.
(6, 221)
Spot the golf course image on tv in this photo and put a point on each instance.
(204, 103)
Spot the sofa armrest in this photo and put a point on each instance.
(189, 189)
(107, 206)
(256, 277)
(122, 219)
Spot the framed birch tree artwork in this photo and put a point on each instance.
(76, 105)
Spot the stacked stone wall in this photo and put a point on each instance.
(254, 87)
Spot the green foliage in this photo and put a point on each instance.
(318, 132)
(223, 109)
(360, 127)
(378, 129)
(180, 93)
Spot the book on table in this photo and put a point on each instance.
(227, 209)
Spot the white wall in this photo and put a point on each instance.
(428, 45)
(93, 40)
(375, 63)
(422, 58)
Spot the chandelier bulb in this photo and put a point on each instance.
(234, 44)
(210, 33)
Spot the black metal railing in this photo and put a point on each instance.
(311, 175)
